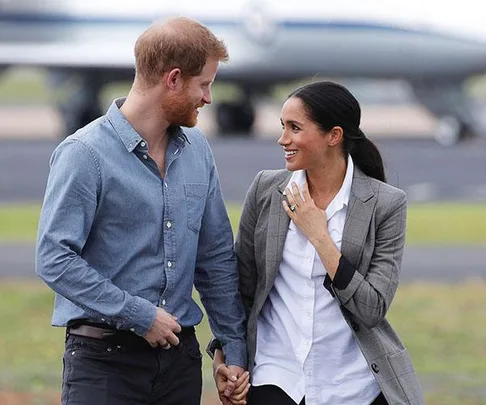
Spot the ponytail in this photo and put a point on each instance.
(365, 155)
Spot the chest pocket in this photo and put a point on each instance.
(196, 201)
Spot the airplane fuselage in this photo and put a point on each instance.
(264, 44)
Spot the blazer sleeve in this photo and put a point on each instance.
(369, 296)
(244, 246)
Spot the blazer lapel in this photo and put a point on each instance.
(361, 206)
(278, 224)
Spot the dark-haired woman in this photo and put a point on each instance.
(319, 248)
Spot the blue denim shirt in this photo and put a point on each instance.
(116, 239)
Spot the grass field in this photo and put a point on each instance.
(444, 223)
(442, 325)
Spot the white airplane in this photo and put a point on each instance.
(86, 44)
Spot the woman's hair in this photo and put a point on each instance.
(176, 43)
(329, 105)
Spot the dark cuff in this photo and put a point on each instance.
(344, 274)
(212, 346)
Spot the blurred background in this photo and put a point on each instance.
(418, 70)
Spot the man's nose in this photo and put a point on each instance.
(208, 98)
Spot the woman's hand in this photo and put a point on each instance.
(312, 222)
(232, 382)
(307, 216)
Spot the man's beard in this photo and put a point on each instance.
(181, 112)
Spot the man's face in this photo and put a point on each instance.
(182, 108)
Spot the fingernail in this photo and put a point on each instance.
(233, 378)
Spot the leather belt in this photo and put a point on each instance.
(100, 332)
(94, 332)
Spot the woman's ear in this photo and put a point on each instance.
(335, 136)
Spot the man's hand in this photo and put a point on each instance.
(232, 382)
(163, 330)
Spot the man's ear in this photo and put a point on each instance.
(173, 79)
(335, 136)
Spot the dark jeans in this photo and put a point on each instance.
(273, 395)
(125, 370)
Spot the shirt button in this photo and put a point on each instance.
(103, 319)
(163, 302)
(142, 144)
(145, 157)
(169, 264)
(165, 184)
(132, 329)
(169, 224)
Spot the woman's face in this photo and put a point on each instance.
(306, 146)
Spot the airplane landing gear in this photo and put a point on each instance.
(450, 131)
(235, 118)
(73, 119)
(459, 116)
(76, 98)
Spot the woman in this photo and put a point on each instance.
(319, 249)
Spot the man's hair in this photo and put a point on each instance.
(176, 43)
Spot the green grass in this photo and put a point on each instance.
(444, 328)
(23, 85)
(18, 223)
(447, 223)
(427, 223)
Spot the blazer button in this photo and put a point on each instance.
(375, 368)
(355, 326)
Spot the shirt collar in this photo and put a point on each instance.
(127, 133)
(341, 199)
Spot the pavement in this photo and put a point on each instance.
(432, 263)
(448, 264)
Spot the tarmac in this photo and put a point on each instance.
(380, 121)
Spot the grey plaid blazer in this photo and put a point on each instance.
(373, 242)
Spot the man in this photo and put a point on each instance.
(133, 217)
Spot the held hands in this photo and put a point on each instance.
(310, 219)
(232, 382)
(162, 333)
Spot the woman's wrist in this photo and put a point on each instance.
(218, 359)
